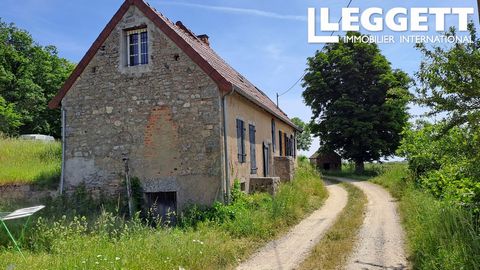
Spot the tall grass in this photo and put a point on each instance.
(348, 171)
(336, 246)
(25, 161)
(215, 238)
(441, 235)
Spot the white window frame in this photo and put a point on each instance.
(140, 51)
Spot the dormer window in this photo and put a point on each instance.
(137, 47)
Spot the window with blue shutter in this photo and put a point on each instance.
(273, 135)
(241, 141)
(253, 156)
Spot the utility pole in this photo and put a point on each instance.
(478, 10)
(277, 93)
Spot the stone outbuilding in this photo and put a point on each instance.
(153, 91)
(328, 161)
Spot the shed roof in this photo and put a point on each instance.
(226, 77)
(320, 154)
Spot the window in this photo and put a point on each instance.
(241, 141)
(280, 144)
(253, 156)
(273, 135)
(137, 44)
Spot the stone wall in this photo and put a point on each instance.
(24, 194)
(165, 116)
(264, 184)
(284, 168)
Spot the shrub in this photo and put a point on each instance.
(441, 235)
(445, 164)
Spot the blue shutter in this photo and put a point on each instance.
(280, 144)
(273, 135)
(285, 141)
(295, 145)
(253, 156)
(240, 141)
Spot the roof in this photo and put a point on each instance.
(320, 154)
(226, 77)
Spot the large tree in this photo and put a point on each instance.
(304, 139)
(359, 103)
(30, 75)
(449, 81)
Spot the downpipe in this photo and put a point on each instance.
(225, 146)
(62, 173)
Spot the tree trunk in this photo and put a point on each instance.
(359, 167)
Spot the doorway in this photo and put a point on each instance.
(266, 159)
(162, 205)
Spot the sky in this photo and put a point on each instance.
(266, 41)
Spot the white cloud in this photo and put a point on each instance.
(245, 11)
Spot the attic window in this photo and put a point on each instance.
(137, 47)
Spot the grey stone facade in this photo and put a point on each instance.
(166, 116)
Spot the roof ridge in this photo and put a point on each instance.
(184, 28)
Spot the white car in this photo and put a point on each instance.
(37, 137)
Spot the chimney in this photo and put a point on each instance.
(204, 39)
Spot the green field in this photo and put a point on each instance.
(32, 162)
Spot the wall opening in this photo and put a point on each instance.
(162, 205)
(326, 166)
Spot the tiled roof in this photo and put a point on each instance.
(199, 51)
(243, 85)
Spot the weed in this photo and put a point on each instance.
(338, 243)
(79, 232)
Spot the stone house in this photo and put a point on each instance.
(329, 161)
(153, 91)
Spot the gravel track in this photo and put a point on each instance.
(380, 243)
(290, 250)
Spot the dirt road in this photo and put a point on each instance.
(380, 242)
(289, 251)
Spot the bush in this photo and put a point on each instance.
(445, 164)
(440, 235)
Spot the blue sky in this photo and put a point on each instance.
(265, 40)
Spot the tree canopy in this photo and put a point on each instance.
(449, 81)
(359, 102)
(30, 75)
(304, 139)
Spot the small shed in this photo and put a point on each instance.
(327, 161)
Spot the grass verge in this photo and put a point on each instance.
(440, 235)
(216, 238)
(32, 162)
(333, 250)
